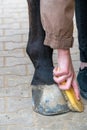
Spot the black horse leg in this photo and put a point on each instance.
(46, 97)
(40, 55)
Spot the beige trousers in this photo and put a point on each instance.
(57, 21)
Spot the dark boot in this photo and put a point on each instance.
(82, 80)
(45, 93)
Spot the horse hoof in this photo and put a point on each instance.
(48, 100)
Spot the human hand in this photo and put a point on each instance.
(65, 73)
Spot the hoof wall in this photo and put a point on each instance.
(48, 100)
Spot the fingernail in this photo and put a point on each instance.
(78, 97)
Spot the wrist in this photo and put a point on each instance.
(63, 51)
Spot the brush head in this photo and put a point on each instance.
(72, 102)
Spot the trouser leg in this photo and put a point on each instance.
(57, 21)
(81, 19)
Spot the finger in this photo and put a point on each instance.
(57, 72)
(66, 85)
(76, 89)
(60, 79)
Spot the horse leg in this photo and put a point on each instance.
(47, 98)
(40, 55)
